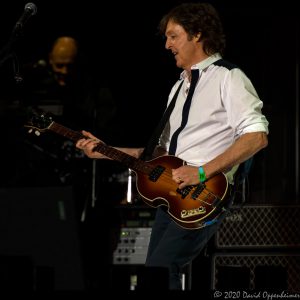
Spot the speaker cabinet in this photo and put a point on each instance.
(258, 271)
(39, 229)
(260, 226)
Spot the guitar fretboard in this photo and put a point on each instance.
(113, 153)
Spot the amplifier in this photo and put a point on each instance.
(136, 216)
(264, 226)
(259, 271)
(132, 246)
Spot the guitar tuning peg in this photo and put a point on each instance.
(30, 130)
(37, 133)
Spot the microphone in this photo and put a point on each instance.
(29, 10)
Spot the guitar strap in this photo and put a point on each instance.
(185, 111)
(147, 153)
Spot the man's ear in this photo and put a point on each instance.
(198, 36)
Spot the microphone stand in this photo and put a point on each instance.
(93, 179)
(8, 52)
(94, 197)
(94, 166)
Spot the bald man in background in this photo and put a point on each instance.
(62, 59)
(64, 84)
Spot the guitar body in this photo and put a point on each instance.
(187, 211)
(189, 207)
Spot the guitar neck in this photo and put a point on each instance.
(112, 153)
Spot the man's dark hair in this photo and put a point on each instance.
(195, 18)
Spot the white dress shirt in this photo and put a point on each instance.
(225, 106)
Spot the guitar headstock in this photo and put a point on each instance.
(39, 122)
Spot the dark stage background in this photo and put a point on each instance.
(121, 47)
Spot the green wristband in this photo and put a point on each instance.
(202, 176)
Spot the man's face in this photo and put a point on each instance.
(184, 48)
(62, 62)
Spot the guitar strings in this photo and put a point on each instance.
(166, 176)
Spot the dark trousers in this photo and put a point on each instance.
(173, 247)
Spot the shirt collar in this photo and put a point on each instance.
(203, 64)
